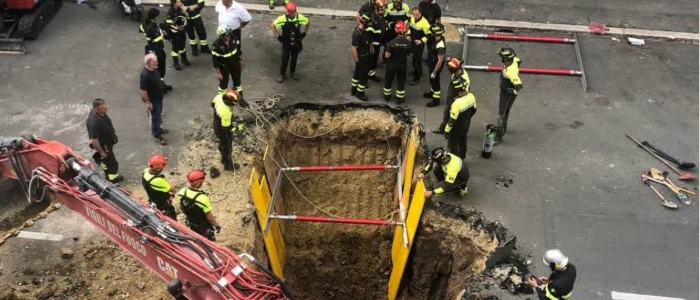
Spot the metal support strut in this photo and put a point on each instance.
(379, 222)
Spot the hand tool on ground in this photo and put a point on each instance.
(681, 197)
(664, 202)
(656, 173)
(681, 176)
(681, 165)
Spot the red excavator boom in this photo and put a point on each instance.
(194, 267)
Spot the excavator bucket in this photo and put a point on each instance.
(12, 46)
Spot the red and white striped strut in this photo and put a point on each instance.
(521, 38)
(545, 71)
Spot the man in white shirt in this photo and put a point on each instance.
(232, 15)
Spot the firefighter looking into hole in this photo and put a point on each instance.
(159, 190)
(450, 171)
(224, 127)
(510, 86)
(196, 206)
(560, 284)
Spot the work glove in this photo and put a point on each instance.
(432, 75)
(243, 104)
(303, 35)
(217, 228)
(279, 38)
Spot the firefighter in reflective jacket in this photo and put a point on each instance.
(458, 81)
(435, 62)
(227, 59)
(196, 206)
(154, 37)
(177, 21)
(360, 50)
(451, 173)
(510, 85)
(195, 24)
(461, 112)
(158, 189)
(560, 284)
(420, 31)
(376, 30)
(396, 53)
(396, 11)
(224, 127)
(290, 36)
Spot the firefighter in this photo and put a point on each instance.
(420, 30)
(361, 56)
(396, 11)
(272, 4)
(510, 85)
(196, 206)
(224, 127)
(177, 20)
(450, 171)
(461, 112)
(560, 284)
(227, 59)
(435, 61)
(396, 53)
(290, 36)
(158, 189)
(376, 30)
(432, 12)
(459, 80)
(195, 24)
(154, 37)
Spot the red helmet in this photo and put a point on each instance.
(400, 27)
(231, 95)
(291, 7)
(380, 3)
(196, 176)
(453, 64)
(157, 160)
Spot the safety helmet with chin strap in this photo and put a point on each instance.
(555, 259)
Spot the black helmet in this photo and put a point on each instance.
(439, 154)
(437, 29)
(365, 18)
(506, 53)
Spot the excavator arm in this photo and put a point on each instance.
(194, 267)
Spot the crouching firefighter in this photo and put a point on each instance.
(196, 206)
(159, 190)
(224, 128)
(451, 172)
(560, 284)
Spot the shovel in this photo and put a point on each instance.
(681, 176)
(664, 202)
(656, 173)
(681, 197)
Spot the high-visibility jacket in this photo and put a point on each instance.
(223, 114)
(420, 29)
(459, 82)
(393, 14)
(195, 205)
(291, 28)
(157, 188)
(510, 77)
(460, 106)
(560, 284)
(456, 173)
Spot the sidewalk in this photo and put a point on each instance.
(478, 23)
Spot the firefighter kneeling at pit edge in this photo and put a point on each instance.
(451, 172)
(196, 206)
(159, 191)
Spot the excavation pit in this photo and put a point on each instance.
(350, 261)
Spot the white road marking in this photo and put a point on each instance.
(40, 236)
(627, 296)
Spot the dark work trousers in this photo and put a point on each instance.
(109, 164)
(289, 56)
(397, 70)
(237, 33)
(233, 71)
(459, 182)
(156, 117)
(416, 61)
(457, 143)
(430, 45)
(166, 208)
(196, 25)
(505, 102)
(435, 84)
(374, 59)
(203, 230)
(446, 113)
(225, 137)
(360, 76)
(178, 40)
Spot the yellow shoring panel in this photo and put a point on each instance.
(408, 162)
(412, 220)
(275, 229)
(261, 200)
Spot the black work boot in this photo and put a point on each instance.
(204, 49)
(361, 96)
(387, 97)
(428, 95)
(176, 63)
(375, 78)
(195, 50)
(166, 86)
(185, 61)
(433, 103)
(400, 100)
(353, 91)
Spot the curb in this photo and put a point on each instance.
(479, 23)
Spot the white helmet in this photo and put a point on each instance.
(223, 30)
(555, 258)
